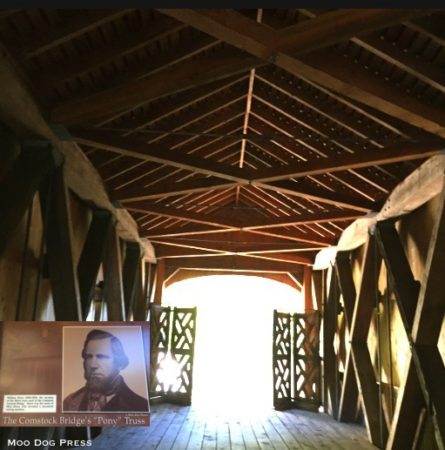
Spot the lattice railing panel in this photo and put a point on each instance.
(282, 359)
(306, 359)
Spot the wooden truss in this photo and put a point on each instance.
(422, 310)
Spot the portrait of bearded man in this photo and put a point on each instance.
(105, 389)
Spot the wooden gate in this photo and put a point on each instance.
(296, 360)
(172, 341)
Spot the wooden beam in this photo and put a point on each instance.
(64, 31)
(54, 198)
(401, 278)
(302, 189)
(92, 256)
(283, 47)
(161, 190)
(333, 216)
(349, 392)
(113, 284)
(141, 291)
(331, 381)
(105, 53)
(189, 74)
(19, 185)
(360, 324)
(408, 406)
(387, 155)
(131, 275)
(10, 150)
(234, 263)
(159, 281)
(139, 149)
(430, 310)
(179, 213)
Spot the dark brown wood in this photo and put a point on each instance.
(330, 369)
(387, 155)
(64, 31)
(104, 54)
(165, 190)
(54, 199)
(92, 256)
(159, 281)
(10, 149)
(19, 185)
(402, 282)
(141, 291)
(138, 148)
(343, 78)
(113, 284)
(132, 274)
(319, 195)
(189, 74)
(179, 213)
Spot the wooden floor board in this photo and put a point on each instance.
(185, 428)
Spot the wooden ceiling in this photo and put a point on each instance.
(247, 139)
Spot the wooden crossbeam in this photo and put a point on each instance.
(422, 334)
(234, 263)
(360, 324)
(387, 155)
(104, 54)
(161, 190)
(401, 278)
(180, 213)
(65, 31)
(347, 410)
(331, 381)
(137, 148)
(19, 185)
(430, 308)
(318, 195)
(113, 284)
(54, 199)
(345, 79)
(131, 274)
(189, 74)
(92, 256)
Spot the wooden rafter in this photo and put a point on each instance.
(102, 104)
(345, 79)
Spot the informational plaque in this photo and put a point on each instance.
(74, 374)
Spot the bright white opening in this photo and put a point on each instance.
(233, 349)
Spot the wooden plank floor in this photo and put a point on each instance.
(174, 427)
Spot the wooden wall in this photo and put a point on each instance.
(394, 387)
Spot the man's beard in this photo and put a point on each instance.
(102, 385)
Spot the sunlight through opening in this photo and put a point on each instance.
(233, 349)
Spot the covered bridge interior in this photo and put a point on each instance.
(140, 147)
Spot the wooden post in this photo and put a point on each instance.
(92, 256)
(360, 323)
(159, 284)
(19, 185)
(132, 271)
(330, 368)
(349, 392)
(113, 285)
(64, 283)
(307, 288)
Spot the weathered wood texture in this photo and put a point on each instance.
(175, 427)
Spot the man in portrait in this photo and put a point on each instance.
(105, 389)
